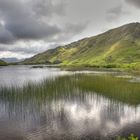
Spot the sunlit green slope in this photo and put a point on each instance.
(119, 47)
(2, 63)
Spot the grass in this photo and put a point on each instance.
(117, 89)
(131, 137)
(48, 89)
(112, 87)
(2, 63)
(64, 87)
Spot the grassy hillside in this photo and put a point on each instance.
(119, 47)
(2, 63)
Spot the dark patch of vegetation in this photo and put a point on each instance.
(57, 62)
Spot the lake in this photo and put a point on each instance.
(52, 104)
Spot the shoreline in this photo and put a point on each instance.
(78, 68)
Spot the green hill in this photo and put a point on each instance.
(119, 47)
(2, 63)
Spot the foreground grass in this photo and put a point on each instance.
(112, 87)
(66, 87)
(108, 86)
(131, 137)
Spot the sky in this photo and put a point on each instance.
(29, 27)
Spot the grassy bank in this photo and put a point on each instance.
(115, 88)
(2, 63)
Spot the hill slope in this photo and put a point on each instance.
(2, 63)
(119, 47)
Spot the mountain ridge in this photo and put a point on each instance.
(118, 47)
(11, 59)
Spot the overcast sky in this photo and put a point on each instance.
(28, 27)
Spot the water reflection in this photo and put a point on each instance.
(66, 107)
(83, 116)
(20, 75)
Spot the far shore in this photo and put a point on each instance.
(78, 68)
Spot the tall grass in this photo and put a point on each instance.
(112, 87)
(66, 86)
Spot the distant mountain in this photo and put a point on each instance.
(2, 63)
(11, 60)
(119, 47)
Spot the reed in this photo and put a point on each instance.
(115, 88)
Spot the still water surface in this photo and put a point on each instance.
(75, 114)
(20, 75)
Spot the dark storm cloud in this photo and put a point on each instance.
(30, 26)
(115, 13)
(48, 8)
(31, 20)
(21, 23)
(70, 30)
(134, 2)
(5, 35)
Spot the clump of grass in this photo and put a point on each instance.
(131, 137)
(48, 89)
(111, 87)
(105, 85)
